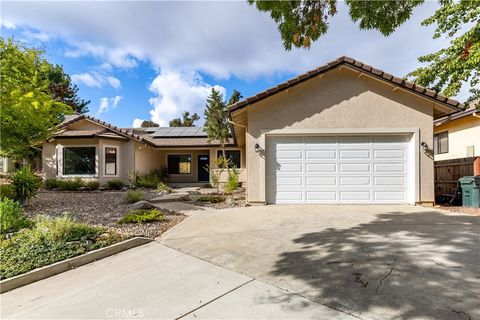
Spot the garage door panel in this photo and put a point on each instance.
(394, 167)
(321, 181)
(355, 181)
(354, 154)
(342, 169)
(320, 154)
(321, 195)
(320, 167)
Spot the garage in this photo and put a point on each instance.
(370, 169)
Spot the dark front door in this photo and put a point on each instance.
(203, 162)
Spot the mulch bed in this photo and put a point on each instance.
(461, 210)
(99, 208)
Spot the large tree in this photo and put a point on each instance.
(185, 121)
(63, 90)
(28, 111)
(447, 70)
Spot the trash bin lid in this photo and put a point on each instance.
(466, 180)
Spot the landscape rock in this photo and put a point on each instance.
(141, 205)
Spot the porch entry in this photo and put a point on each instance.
(203, 162)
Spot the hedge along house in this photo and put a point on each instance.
(91, 149)
(342, 133)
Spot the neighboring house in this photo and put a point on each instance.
(342, 133)
(457, 135)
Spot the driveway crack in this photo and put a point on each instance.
(383, 279)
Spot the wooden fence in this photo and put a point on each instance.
(447, 173)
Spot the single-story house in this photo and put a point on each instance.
(342, 133)
(457, 136)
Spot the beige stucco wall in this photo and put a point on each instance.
(339, 100)
(462, 133)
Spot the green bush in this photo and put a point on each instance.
(6, 191)
(50, 184)
(149, 180)
(211, 199)
(115, 184)
(232, 183)
(142, 216)
(12, 218)
(133, 196)
(48, 241)
(163, 187)
(25, 184)
(70, 185)
(92, 185)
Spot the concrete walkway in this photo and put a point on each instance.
(156, 282)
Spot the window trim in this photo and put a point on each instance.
(219, 152)
(117, 162)
(436, 143)
(180, 154)
(60, 148)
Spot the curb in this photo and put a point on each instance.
(71, 263)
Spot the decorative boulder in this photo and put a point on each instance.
(140, 205)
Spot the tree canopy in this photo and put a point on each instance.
(302, 22)
(63, 90)
(185, 121)
(28, 110)
(148, 124)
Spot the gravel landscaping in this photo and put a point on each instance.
(99, 208)
(461, 210)
(232, 200)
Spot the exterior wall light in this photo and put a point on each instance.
(257, 148)
(425, 147)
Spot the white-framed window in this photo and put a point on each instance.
(179, 164)
(440, 143)
(111, 160)
(78, 161)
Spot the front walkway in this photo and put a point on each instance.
(155, 282)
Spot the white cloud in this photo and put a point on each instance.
(107, 104)
(95, 79)
(39, 36)
(221, 39)
(137, 123)
(7, 24)
(177, 92)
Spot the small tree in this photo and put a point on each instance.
(149, 123)
(216, 120)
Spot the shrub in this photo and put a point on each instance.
(232, 183)
(211, 199)
(149, 180)
(142, 216)
(115, 184)
(163, 187)
(12, 218)
(50, 184)
(48, 241)
(133, 196)
(92, 185)
(70, 185)
(25, 184)
(6, 191)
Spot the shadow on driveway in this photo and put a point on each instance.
(423, 265)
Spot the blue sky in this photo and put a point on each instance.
(153, 60)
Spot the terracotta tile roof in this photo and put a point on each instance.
(360, 66)
(182, 142)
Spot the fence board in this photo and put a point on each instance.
(447, 173)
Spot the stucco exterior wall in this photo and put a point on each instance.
(462, 133)
(339, 99)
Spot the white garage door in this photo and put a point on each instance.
(343, 169)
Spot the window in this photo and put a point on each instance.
(79, 160)
(179, 164)
(110, 161)
(440, 143)
(233, 156)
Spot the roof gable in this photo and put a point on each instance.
(452, 104)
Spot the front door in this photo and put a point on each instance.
(203, 162)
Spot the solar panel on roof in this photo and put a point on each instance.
(178, 132)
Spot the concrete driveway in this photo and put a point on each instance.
(374, 262)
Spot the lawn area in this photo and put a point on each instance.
(99, 208)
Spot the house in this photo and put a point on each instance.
(457, 136)
(342, 133)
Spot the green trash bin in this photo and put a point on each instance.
(470, 191)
